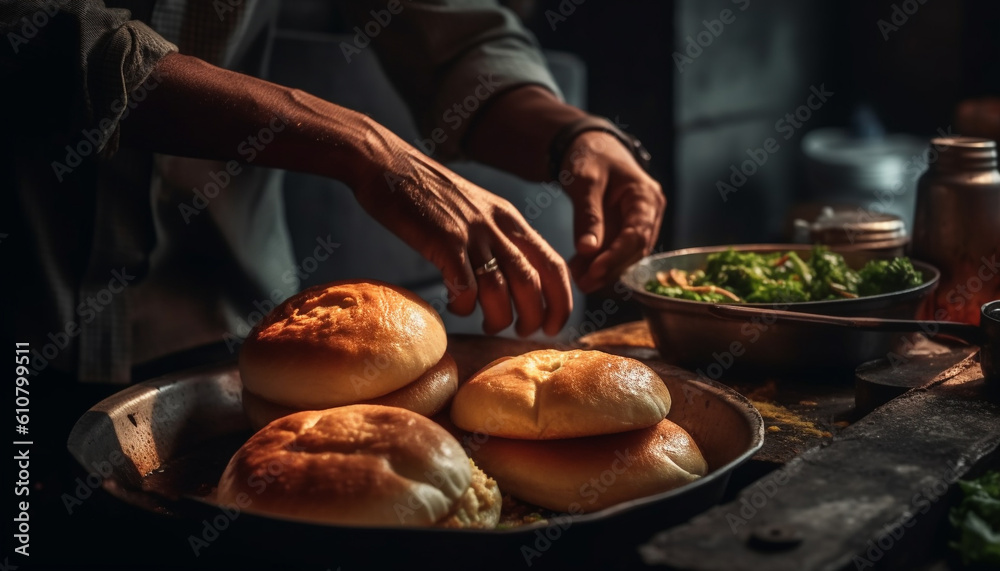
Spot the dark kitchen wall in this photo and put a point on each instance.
(626, 47)
(706, 80)
(710, 91)
(701, 86)
(747, 91)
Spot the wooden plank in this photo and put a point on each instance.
(872, 496)
(801, 411)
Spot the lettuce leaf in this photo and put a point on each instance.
(976, 521)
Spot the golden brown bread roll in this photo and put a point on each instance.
(341, 343)
(426, 396)
(587, 474)
(551, 394)
(479, 507)
(359, 465)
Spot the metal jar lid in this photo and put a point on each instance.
(857, 228)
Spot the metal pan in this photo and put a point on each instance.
(164, 427)
(687, 334)
(986, 335)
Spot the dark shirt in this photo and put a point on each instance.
(138, 255)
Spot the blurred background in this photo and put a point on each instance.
(707, 85)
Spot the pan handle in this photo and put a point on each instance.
(968, 333)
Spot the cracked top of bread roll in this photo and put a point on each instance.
(341, 343)
(550, 394)
(353, 465)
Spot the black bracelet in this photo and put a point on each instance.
(565, 137)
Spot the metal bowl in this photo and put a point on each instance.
(162, 445)
(686, 334)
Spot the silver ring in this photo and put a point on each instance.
(490, 266)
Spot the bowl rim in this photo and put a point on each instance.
(629, 279)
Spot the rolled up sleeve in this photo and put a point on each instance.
(448, 59)
(80, 61)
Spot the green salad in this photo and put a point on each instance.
(976, 521)
(784, 277)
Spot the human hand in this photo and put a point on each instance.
(617, 208)
(459, 227)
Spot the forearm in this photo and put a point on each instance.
(202, 111)
(199, 110)
(516, 131)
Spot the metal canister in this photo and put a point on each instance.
(848, 230)
(957, 226)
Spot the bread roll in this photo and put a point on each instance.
(479, 506)
(341, 343)
(352, 465)
(588, 474)
(551, 394)
(427, 396)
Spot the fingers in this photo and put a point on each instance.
(456, 271)
(640, 217)
(493, 294)
(534, 276)
(552, 278)
(608, 266)
(524, 286)
(588, 214)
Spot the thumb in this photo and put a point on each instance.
(588, 216)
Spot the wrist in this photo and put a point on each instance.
(514, 133)
(564, 140)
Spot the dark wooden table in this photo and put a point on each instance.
(830, 489)
(837, 487)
